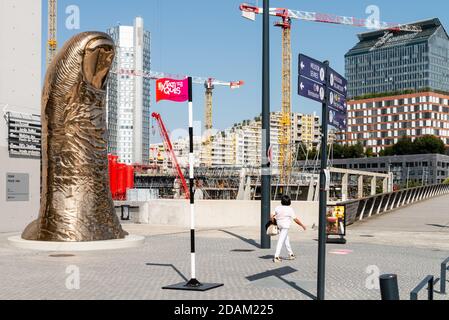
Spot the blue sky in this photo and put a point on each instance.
(210, 38)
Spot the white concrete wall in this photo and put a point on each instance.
(213, 213)
(20, 90)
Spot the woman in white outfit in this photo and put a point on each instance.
(284, 215)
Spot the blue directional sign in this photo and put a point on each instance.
(318, 82)
(311, 89)
(336, 101)
(312, 69)
(338, 119)
(337, 83)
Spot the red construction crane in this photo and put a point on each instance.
(286, 15)
(169, 149)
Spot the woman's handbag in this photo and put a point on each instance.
(273, 230)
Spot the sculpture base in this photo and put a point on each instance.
(130, 241)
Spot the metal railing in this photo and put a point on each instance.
(364, 208)
(429, 282)
(390, 291)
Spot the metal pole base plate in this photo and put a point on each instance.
(336, 240)
(193, 285)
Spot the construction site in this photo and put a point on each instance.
(228, 162)
(225, 172)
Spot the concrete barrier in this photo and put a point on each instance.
(212, 213)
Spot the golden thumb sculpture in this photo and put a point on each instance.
(76, 202)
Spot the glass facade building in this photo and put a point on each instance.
(408, 74)
(128, 98)
(397, 61)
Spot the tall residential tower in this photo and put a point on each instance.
(128, 100)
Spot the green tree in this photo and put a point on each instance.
(304, 152)
(404, 146)
(338, 151)
(356, 151)
(429, 144)
(369, 152)
(388, 151)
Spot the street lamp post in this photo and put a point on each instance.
(266, 174)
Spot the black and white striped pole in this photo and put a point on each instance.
(193, 283)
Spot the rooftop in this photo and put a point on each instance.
(368, 40)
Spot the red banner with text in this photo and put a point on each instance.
(173, 90)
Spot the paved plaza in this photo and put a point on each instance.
(231, 256)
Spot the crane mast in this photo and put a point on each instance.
(208, 119)
(285, 150)
(52, 43)
(208, 104)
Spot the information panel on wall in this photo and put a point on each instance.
(24, 135)
(17, 187)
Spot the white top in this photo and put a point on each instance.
(284, 216)
(198, 194)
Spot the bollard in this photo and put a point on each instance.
(389, 287)
(444, 269)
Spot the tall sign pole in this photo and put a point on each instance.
(323, 199)
(265, 242)
(317, 81)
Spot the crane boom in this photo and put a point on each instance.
(169, 148)
(249, 12)
(154, 75)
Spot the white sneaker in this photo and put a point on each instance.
(291, 257)
(277, 260)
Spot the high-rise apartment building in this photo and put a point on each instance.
(128, 99)
(399, 84)
(396, 61)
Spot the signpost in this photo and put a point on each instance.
(317, 81)
(338, 119)
(311, 89)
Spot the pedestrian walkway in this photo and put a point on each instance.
(422, 225)
(229, 256)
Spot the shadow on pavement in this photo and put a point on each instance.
(280, 273)
(249, 241)
(171, 266)
(438, 225)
